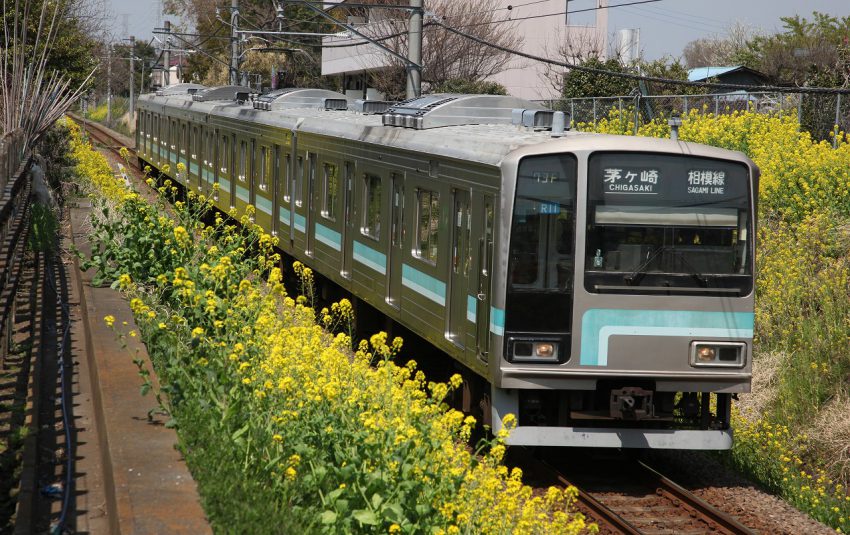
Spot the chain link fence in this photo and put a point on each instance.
(816, 113)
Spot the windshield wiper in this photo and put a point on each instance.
(635, 276)
(638, 274)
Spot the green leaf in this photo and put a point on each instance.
(145, 389)
(171, 424)
(377, 500)
(366, 517)
(239, 432)
(327, 517)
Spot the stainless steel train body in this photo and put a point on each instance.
(600, 286)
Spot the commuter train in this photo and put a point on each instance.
(598, 287)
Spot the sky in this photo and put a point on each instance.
(665, 26)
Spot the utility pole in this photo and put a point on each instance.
(234, 42)
(132, 77)
(166, 57)
(414, 52)
(109, 84)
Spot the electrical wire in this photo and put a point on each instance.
(656, 79)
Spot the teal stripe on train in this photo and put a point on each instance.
(300, 223)
(329, 237)
(432, 288)
(497, 321)
(598, 325)
(263, 205)
(471, 307)
(242, 194)
(370, 257)
(283, 215)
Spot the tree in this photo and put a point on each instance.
(579, 83)
(298, 57)
(481, 87)
(445, 55)
(735, 49)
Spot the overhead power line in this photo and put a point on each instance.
(656, 79)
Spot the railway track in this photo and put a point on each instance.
(623, 495)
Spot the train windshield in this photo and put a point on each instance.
(674, 225)
(541, 265)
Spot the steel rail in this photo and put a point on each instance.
(716, 519)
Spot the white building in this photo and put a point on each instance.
(542, 25)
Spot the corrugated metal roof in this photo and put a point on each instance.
(701, 73)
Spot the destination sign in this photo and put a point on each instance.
(706, 182)
(625, 180)
(636, 178)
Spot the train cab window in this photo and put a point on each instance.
(243, 150)
(371, 224)
(427, 225)
(663, 223)
(541, 261)
(330, 191)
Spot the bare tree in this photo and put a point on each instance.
(445, 55)
(574, 48)
(719, 51)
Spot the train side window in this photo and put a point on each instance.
(371, 226)
(428, 225)
(287, 172)
(299, 181)
(330, 191)
(184, 139)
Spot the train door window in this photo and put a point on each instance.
(224, 152)
(397, 230)
(427, 225)
(184, 138)
(193, 150)
(371, 225)
(330, 191)
(461, 256)
(299, 181)
(265, 168)
(287, 171)
(243, 149)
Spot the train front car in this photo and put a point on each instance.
(627, 293)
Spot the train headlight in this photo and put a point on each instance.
(544, 350)
(718, 354)
(706, 354)
(525, 350)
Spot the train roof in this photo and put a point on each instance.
(488, 144)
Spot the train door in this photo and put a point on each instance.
(347, 218)
(396, 248)
(459, 268)
(310, 227)
(485, 267)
